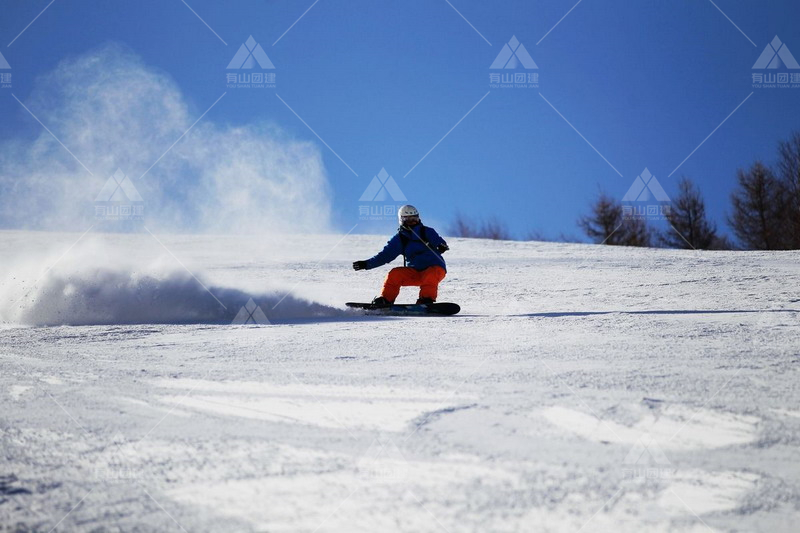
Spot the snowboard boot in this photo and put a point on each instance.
(380, 301)
(425, 301)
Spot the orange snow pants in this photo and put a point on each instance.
(427, 280)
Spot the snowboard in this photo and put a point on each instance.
(443, 308)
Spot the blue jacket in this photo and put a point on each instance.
(416, 254)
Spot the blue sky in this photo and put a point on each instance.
(382, 82)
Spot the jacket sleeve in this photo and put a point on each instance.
(434, 238)
(392, 249)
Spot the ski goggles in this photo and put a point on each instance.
(410, 220)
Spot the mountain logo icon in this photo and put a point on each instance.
(512, 55)
(646, 452)
(119, 461)
(643, 186)
(118, 188)
(383, 461)
(775, 55)
(381, 188)
(3, 62)
(248, 55)
(250, 313)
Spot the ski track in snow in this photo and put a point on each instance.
(582, 388)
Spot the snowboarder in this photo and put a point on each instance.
(422, 250)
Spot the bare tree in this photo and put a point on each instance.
(494, 229)
(460, 227)
(759, 210)
(636, 232)
(539, 235)
(607, 224)
(605, 220)
(536, 235)
(490, 229)
(690, 228)
(788, 170)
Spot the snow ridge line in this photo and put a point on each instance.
(431, 416)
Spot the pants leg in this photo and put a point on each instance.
(396, 278)
(429, 282)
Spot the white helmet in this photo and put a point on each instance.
(407, 212)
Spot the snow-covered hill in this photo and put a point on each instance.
(582, 388)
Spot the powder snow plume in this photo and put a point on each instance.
(90, 286)
(114, 112)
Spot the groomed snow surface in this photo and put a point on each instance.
(582, 388)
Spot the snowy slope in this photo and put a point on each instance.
(582, 388)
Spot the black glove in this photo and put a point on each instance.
(359, 265)
(442, 248)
